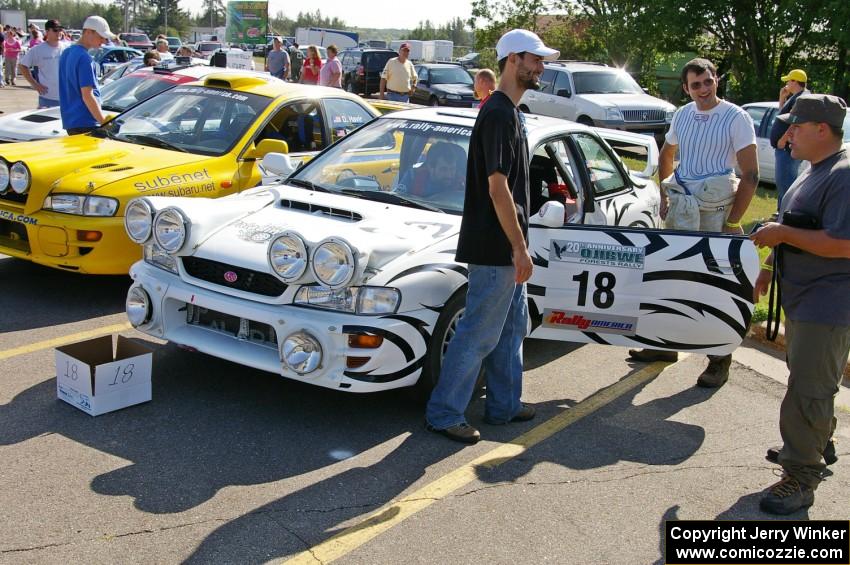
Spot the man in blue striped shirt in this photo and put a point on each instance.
(710, 135)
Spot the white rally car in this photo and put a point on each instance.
(344, 275)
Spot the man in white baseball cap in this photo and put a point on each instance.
(79, 96)
(493, 241)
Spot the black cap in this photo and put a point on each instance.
(54, 25)
(820, 108)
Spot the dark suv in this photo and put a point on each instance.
(443, 84)
(361, 68)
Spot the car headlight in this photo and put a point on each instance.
(365, 300)
(80, 204)
(156, 256)
(614, 115)
(170, 229)
(19, 177)
(138, 305)
(334, 262)
(301, 352)
(288, 256)
(138, 220)
(668, 116)
(4, 175)
(452, 97)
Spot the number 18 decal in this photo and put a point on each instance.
(603, 295)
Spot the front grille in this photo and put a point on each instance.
(246, 280)
(12, 196)
(644, 115)
(242, 329)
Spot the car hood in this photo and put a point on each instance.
(628, 101)
(31, 125)
(86, 164)
(379, 232)
(460, 89)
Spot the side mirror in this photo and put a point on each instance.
(551, 215)
(265, 147)
(279, 164)
(564, 93)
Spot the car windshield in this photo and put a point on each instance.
(193, 119)
(209, 46)
(615, 82)
(377, 61)
(406, 162)
(450, 75)
(175, 41)
(135, 38)
(137, 87)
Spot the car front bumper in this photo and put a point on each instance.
(206, 321)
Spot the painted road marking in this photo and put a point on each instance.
(391, 515)
(64, 340)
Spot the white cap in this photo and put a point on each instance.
(99, 25)
(524, 41)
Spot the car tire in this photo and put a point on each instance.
(585, 121)
(433, 101)
(444, 329)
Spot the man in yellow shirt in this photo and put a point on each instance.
(398, 79)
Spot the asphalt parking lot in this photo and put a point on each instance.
(231, 465)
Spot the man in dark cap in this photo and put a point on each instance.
(40, 65)
(811, 251)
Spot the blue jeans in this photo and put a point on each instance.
(786, 172)
(490, 333)
(47, 102)
(396, 97)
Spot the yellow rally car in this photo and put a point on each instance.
(62, 200)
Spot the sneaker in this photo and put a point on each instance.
(829, 455)
(464, 433)
(717, 372)
(787, 496)
(649, 355)
(525, 414)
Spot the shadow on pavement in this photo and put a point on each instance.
(32, 296)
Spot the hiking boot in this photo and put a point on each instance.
(464, 433)
(525, 414)
(787, 496)
(717, 372)
(649, 355)
(829, 455)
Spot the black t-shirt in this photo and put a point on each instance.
(498, 144)
(778, 129)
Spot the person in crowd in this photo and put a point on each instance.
(45, 58)
(312, 66)
(398, 79)
(162, 49)
(702, 193)
(151, 58)
(79, 97)
(277, 60)
(484, 84)
(296, 60)
(811, 253)
(331, 72)
(493, 241)
(786, 167)
(11, 50)
(185, 51)
(35, 37)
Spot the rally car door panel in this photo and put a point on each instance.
(670, 290)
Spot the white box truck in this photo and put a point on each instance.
(443, 50)
(323, 37)
(14, 18)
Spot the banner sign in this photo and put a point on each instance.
(247, 22)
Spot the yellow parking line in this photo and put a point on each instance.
(357, 535)
(64, 340)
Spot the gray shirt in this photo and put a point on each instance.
(278, 61)
(817, 289)
(46, 58)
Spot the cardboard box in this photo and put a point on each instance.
(92, 378)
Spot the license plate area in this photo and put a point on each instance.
(241, 329)
(14, 235)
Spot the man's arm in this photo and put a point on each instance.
(37, 86)
(383, 87)
(87, 93)
(414, 78)
(665, 169)
(817, 242)
(503, 202)
(749, 164)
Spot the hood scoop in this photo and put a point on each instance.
(104, 166)
(321, 210)
(119, 169)
(39, 118)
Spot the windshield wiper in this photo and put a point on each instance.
(151, 140)
(390, 198)
(111, 108)
(301, 183)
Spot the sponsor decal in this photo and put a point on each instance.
(230, 276)
(20, 218)
(257, 233)
(589, 322)
(436, 128)
(603, 254)
(174, 180)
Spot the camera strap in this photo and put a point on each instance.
(774, 307)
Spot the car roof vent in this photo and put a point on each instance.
(104, 165)
(119, 169)
(225, 81)
(319, 209)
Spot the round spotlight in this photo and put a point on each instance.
(334, 263)
(170, 229)
(4, 176)
(138, 306)
(138, 220)
(301, 352)
(19, 177)
(288, 256)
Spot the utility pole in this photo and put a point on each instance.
(166, 17)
